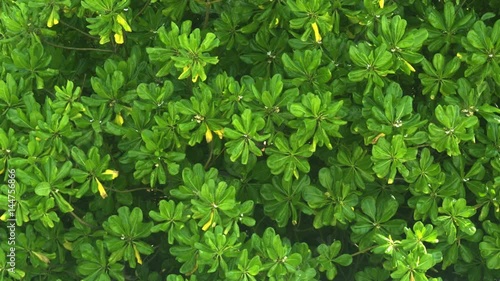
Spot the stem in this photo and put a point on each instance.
(81, 220)
(78, 49)
(142, 10)
(211, 153)
(364, 251)
(78, 30)
(131, 190)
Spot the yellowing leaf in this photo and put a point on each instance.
(101, 189)
(195, 78)
(317, 36)
(381, 3)
(119, 119)
(409, 66)
(209, 222)
(68, 245)
(120, 19)
(220, 133)
(41, 257)
(137, 255)
(208, 135)
(111, 172)
(119, 38)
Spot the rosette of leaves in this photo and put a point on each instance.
(317, 119)
(273, 100)
(333, 203)
(288, 157)
(390, 112)
(372, 64)
(266, 50)
(454, 129)
(110, 19)
(438, 76)
(483, 46)
(282, 199)
(244, 136)
(123, 236)
(389, 158)
(447, 27)
(375, 217)
(313, 16)
(403, 45)
(305, 70)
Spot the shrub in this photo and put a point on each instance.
(250, 140)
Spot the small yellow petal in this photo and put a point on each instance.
(101, 189)
(4, 217)
(195, 78)
(459, 55)
(381, 3)
(119, 119)
(220, 133)
(208, 135)
(209, 222)
(315, 28)
(120, 19)
(114, 173)
(137, 255)
(119, 38)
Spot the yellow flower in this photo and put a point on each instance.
(119, 38)
(111, 172)
(101, 189)
(120, 19)
(317, 36)
(137, 254)
(209, 222)
(220, 133)
(53, 19)
(208, 135)
(381, 3)
(119, 119)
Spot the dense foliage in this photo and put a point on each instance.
(250, 140)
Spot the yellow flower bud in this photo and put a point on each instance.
(317, 36)
(208, 135)
(111, 172)
(101, 189)
(220, 133)
(119, 119)
(209, 222)
(119, 38)
(137, 254)
(120, 19)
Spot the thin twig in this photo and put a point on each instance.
(131, 190)
(79, 30)
(78, 49)
(364, 250)
(81, 220)
(142, 10)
